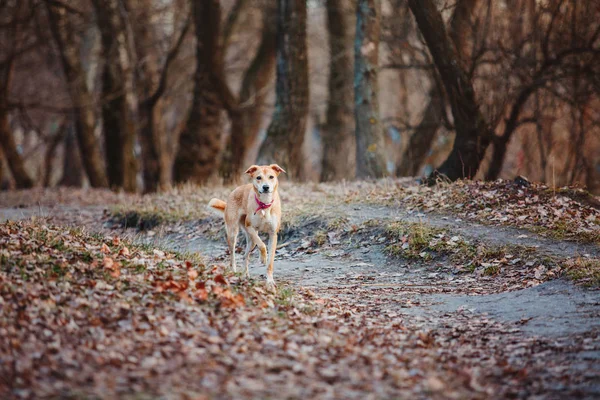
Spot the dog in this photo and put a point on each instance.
(254, 207)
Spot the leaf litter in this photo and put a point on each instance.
(109, 319)
(83, 317)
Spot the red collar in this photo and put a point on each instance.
(261, 205)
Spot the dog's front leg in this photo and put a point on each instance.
(272, 247)
(257, 241)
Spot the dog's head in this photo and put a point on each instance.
(264, 177)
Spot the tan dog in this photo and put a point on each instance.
(254, 207)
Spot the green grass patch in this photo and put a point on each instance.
(562, 230)
(337, 223)
(585, 271)
(285, 296)
(418, 241)
(320, 238)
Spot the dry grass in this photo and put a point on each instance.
(585, 271)
(421, 242)
(568, 213)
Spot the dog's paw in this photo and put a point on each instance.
(271, 284)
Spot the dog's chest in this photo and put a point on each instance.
(263, 220)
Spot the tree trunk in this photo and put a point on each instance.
(72, 175)
(1, 169)
(9, 148)
(370, 145)
(511, 125)
(498, 155)
(420, 141)
(151, 124)
(56, 139)
(339, 142)
(253, 93)
(81, 97)
(119, 102)
(152, 145)
(472, 134)
(7, 140)
(199, 150)
(285, 135)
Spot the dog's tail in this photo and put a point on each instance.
(217, 206)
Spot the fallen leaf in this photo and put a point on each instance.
(220, 279)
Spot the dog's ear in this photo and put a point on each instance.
(252, 169)
(277, 168)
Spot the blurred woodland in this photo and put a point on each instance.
(140, 95)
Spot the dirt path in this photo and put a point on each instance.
(542, 341)
(550, 333)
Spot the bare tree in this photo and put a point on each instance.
(424, 133)
(72, 172)
(7, 140)
(370, 156)
(285, 135)
(339, 141)
(67, 41)
(119, 101)
(472, 133)
(152, 84)
(200, 146)
(245, 127)
(57, 138)
(14, 43)
(564, 69)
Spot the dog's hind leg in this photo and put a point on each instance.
(232, 235)
(249, 247)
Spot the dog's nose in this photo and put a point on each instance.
(265, 188)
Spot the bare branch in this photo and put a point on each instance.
(162, 84)
(426, 67)
(232, 23)
(67, 7)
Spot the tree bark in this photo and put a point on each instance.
(253, 93)
(81, 97)
(199, 152)
(370, 145)
(72, 172)
(7, 140)
(14, 160)
(501, 142)
(151, 85)
(233, 22)
(420, 141)
(339, 141)
(119, 101)
(472, 133)
(285, 135)
(55, 140)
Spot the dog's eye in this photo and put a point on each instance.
(258, 178)
(271, 177)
